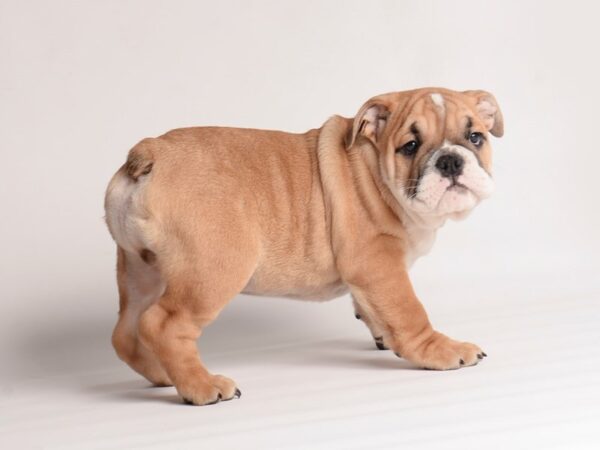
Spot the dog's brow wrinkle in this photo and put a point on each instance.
(413, 129)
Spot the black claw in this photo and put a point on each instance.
(398, 354)
(357, 316)
(484, 354)
(187, 401)
(219, 397)
(380, 345)
(462, 363)
(479, 356)
(238, 393)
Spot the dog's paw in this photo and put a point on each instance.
(226, 387)
(208, 390)
(439, 352)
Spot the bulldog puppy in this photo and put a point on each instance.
(202, 214)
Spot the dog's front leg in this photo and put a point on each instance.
(385, 291)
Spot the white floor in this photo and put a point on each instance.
(307, 384)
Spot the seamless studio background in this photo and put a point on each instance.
(82, 82)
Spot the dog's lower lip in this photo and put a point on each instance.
(457, 187)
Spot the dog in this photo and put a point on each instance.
(202, 214)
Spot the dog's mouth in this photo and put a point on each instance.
(457, 187)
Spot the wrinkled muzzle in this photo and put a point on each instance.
(452, 183)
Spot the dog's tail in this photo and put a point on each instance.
(140, 159)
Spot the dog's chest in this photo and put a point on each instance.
(420, 241)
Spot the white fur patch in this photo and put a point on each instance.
(124, 212)
(438, 100)
(420, 241)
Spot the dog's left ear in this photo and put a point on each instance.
(488, 110)
(370, 121)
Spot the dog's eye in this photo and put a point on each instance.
(476, 139)
(408, 149)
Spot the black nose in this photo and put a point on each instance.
(450, 165)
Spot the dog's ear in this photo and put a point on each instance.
(369, 122)
(488, 110)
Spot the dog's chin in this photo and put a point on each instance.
(450, 202)
(456, 202)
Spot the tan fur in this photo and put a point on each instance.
(202, 214)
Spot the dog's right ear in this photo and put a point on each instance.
(369, 122)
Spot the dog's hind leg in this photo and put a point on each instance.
(140, 285)
(196, 293)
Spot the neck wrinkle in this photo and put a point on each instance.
(369, 185)
(333, 168)
(352, 187)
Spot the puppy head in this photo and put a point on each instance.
(433, 147)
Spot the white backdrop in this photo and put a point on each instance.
(81, 82)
